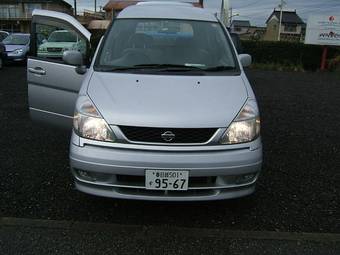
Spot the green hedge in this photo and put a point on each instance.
(287, 53)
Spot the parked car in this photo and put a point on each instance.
(58, 42)
(2, 55)
(17, 46)
(3, 35)
(163, 112)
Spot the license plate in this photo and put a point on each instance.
(166, 180)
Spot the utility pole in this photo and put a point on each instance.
(95, 6)
(75, 8)
(280, 23)
(225, 12)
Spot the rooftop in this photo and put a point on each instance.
(287, 17)
(241, 23)
(118, 5)
(166, 10)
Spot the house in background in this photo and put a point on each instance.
(254, 33)
(247, 32)
(113, 7)
(240, 26)
(87, 17)
(16, 15)
(292, 26)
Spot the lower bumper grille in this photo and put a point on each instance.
(188, 193)
(140, 180)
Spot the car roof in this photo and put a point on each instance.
(166, 10)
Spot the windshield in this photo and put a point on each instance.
(16, 40)
(3, 35)
(62, 36)
(155, 43)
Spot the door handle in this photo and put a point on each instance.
(37, 70)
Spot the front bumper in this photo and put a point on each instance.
(15, 58)
(118, 170)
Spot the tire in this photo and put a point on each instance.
(1, 62)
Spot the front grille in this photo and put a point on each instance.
(54, 49)
(168, 135)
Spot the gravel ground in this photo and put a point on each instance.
(22, 236)
(56, 241)
(298, 190)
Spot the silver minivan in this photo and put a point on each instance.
(162, 110)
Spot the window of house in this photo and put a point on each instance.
(30, 7)
(290, 28)
(9, 11)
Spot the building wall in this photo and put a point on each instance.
(17, 17)
(273, 30)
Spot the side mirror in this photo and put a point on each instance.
(74, 58)
(245, 59)
(44, 41)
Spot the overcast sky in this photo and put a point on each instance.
(257, 11)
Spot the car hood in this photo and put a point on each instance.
(167, 101)
(12, 47)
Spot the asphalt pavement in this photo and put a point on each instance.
(298, 191)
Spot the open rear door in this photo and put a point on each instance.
(53, 85)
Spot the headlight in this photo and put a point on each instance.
(89, 124)
(245, 128)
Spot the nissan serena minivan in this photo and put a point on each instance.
(162, 111)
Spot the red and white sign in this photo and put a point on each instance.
(323, 30)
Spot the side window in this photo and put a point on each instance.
(53, 39)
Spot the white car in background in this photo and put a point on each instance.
(58, 42)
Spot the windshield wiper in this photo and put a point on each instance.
(166, 68)
(158, 67)
(116, 68)
(219, 68)
(169, 67)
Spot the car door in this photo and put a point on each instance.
(53, 85)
